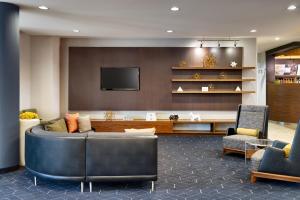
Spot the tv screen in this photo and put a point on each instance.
(120, 78)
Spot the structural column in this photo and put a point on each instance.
(9, 86)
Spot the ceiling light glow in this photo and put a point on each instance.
(43, 7)
(277, 38)
(169, 31)
(76, 31)
(292, 7)
(253, 31)
(174, 9)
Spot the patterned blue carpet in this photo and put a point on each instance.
(189, 168)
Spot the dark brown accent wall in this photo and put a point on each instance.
(155, 79)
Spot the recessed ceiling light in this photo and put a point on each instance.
(43, 7)
(277, 38)
(174, 8)
(253, 31)
(76, 31)
(292, 7)
(169, 31)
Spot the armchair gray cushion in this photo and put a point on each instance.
(248, 116)
(237, 141)
(275, 162)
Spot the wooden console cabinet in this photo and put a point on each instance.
(162, 126)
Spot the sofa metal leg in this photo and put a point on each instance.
(34, 180)
(81, 187)
(152, 186)
(91, 187)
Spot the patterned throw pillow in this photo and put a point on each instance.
(72, 122)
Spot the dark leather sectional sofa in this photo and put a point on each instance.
(90, 157)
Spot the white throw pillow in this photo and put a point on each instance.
(142, 130)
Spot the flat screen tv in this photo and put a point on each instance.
(120, 78)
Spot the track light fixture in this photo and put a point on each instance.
(235, 42)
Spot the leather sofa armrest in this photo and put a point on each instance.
(57, 155)
(231, 131)
(279, 144)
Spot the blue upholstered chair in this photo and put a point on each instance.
(274, 164)
(248, 116)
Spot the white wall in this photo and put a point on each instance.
(249, 59)
(45, 76)
(25, 72)
(39, 74)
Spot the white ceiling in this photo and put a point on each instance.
(151, 19)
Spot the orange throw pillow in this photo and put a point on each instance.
(72, 122)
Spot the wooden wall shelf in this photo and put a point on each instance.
(212, 68)
(213, 80)
(212, 92)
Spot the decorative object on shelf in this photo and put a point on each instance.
(109, 115)
(211, 86)
(174, 117)
(222, 75)
(195, 117)
(238, 89)
(209, 61)
(182, 63)
(233, 64)
(204, 89)
(179, 89)
(151, 116)
(196, 76)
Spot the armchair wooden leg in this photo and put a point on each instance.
(253, 178)
(224, 151)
